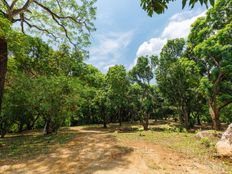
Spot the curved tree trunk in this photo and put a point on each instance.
(215, 115)
(3, 67)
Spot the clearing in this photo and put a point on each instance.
(93, 150)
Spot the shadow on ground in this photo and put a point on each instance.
(88, 152)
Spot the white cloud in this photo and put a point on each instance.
(109, 49)
(178, 26)
(153, 46)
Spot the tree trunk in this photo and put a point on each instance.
(186, 118)
(198, 119)
(146, 122)
(215, 114)
(3, 67)
(105, 125)
(3, 133)
(104, 122)
(48, 127)
(30, 124)
(181, 117)
(120, 118)
(21, 127)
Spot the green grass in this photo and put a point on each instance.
(168, 134)
(16, 147)
(181, 142)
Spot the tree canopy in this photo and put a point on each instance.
(159, 6)
(60, 20)
(210, 43)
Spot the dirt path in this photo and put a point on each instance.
(97, 152)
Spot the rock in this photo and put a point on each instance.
(208, 134)
(224, 146)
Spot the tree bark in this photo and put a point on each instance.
(120, 118)
(3, 67)
(215, 115)
(3, 133)
(104, 120)
(186, 118)
(48, 127)
(105, 125)
(198, 119)
(181, 117)
(146, 123)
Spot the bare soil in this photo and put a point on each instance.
(99, 152)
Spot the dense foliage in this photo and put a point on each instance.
(46, 88)
(159, 6)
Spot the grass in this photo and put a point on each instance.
(17, 147)
(178, 140)
(181, 142)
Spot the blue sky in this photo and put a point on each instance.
(124, 31)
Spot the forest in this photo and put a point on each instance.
(46, 84)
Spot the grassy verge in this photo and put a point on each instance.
(184, 143)
(180, 142)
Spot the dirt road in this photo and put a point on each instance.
(98, 152)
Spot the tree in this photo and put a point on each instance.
(34, 58)
(142, 73)
(209, 44)
(4, 28)
(54, 101)
(101, 104)
(59, 20)
(159, 6)
(134, 104)
(178, 79)
(118, 83)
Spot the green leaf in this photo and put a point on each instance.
(183, 3)
(212, 2)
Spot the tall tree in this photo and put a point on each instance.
(118, 86)
(142, 73)
(177, 79)
(209, 44)
(60, 20)
(101, 104)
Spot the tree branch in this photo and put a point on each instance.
(220, 76)
(225, 104)
(22, 23)
(40, 29)
(13, 4)
(55, 15)
(58, 2)
(23, 9)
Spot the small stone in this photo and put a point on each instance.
(208, 134)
